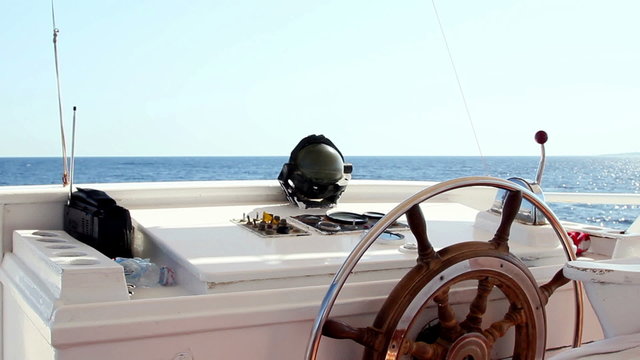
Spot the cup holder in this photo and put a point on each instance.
(51, 240)
(61, 246)
(76, 261)
(70, 253)
(87, 261)
(45, 233)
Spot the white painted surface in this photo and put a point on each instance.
(617, 348)
(612, 287)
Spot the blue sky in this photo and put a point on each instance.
(215, 78)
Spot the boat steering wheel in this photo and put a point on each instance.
(400, 329)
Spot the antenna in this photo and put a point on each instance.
(73, 154)
(65, 171)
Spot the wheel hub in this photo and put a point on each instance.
(471, 346)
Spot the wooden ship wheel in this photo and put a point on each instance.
(402, 330)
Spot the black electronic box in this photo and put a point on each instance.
(94, 218)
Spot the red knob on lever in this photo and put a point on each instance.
(541, 137)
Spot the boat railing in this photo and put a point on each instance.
(593, 198)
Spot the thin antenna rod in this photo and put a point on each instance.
(464, 99)
(65, 170)
(73, 154)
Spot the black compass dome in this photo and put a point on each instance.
(316, 174)
(320, 163)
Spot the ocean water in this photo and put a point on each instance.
(619, 174)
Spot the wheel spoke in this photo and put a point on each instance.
(450, 329)
(509, 212)
(418, 227)
(547, 289)
(478, 307)
(369, 337)
(514, 316)
(423, 351)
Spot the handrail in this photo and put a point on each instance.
(593, 198)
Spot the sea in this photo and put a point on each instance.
(619, 174)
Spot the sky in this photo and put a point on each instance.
(251, 78)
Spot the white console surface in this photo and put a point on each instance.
(205, 241)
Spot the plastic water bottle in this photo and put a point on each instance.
(140, 272)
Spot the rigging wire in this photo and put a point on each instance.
(65, 170)
(464, 99)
